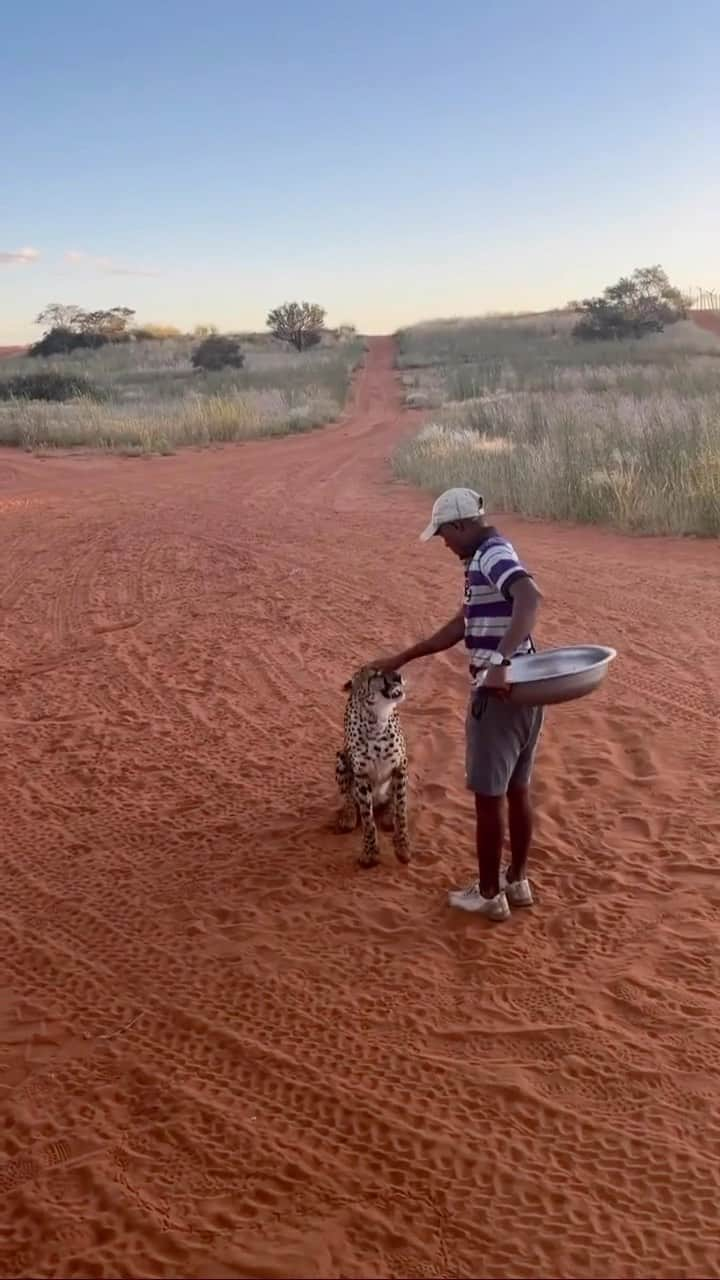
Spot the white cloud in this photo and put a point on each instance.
(19, 257)
(130, 271)
(77, 258)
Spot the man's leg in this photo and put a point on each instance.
(490, 760)
(520, 815)
(520, 819)
(489, 839)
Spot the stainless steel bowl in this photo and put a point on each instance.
(559, 675)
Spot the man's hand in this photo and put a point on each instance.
(393, 663)
(497, 681)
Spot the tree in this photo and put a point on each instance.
(300, 323)
(69, 327)
(58, 315)
(218, 352)
(637, 305)
(111, 325)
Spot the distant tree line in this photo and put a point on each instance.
(70, 328)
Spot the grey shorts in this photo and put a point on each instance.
(501, 741)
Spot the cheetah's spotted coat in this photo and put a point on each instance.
(372, 769)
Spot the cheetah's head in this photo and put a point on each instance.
(379, 688)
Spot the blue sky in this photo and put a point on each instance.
(202, 163)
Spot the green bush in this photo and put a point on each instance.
(61, 342)
(218, 352)
(49, 384)
(637, 305)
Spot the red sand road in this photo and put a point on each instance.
(707, 320)
(226, 1052)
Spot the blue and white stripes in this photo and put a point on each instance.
(488, 605)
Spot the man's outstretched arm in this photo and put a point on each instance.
(446, 638)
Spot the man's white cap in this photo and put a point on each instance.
(453, 504)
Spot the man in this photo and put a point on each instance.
(496, 623)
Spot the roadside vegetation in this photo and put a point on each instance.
(96, 380)
(542, 421)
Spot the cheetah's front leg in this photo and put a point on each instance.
(363, 798)
(348, 815)
(401, 837)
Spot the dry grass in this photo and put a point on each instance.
(156, 402)
(149, 427)
(620, 434)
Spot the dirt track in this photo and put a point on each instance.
(224, 1051)
(709, 320)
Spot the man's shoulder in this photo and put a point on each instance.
(492, 544)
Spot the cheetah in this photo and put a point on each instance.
(372, 770)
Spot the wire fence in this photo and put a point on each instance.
(705, 299)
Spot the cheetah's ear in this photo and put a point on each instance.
(347, 686)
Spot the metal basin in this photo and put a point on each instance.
(559, 675)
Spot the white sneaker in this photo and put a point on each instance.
(519, 893)
(471, 899)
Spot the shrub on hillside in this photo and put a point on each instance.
(61, 342)
(637, 305)
(50, 384)
(300, 323)
(218, 352)
(68, 328)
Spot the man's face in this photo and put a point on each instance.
(459, 537)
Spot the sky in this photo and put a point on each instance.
(391, 161)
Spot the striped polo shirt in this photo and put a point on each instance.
(489, 574)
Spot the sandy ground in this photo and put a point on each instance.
(224, 1051)
(709, 320)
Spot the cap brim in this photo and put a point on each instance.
(429, 533)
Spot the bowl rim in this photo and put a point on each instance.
(608, 655)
